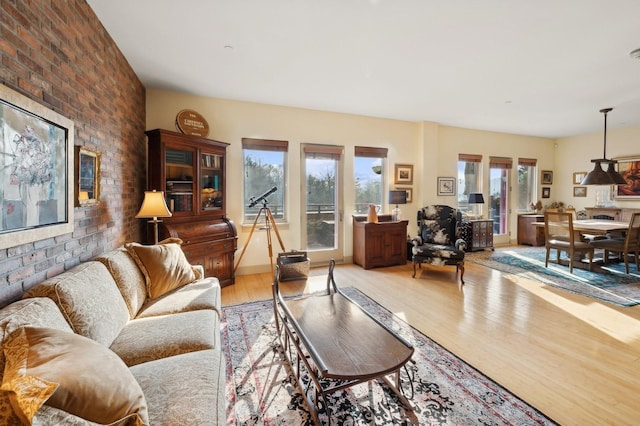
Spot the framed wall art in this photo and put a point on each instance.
(409, 191)
(547, 177)
(404, 174)
(578, 177)
(629, 168)
(580, 191)
(87, 172)
(36, 171)
(446, 186)
(546, 192)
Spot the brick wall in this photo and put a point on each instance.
(57, 53)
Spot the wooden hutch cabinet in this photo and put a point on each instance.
(191, 172)
(379, 244)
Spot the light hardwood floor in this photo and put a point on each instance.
(574, 358)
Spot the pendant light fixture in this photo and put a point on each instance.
(598, 176)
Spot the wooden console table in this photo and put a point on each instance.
(379, 244)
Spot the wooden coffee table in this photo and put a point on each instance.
(334, 338)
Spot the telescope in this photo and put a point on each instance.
(255, 200)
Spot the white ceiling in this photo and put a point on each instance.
(537, 67)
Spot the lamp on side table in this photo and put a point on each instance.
(154, 206)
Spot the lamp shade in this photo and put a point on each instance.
(397, 197)
(153, 205)
(598, 176)
(476, 198)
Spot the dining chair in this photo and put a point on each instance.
(559, 235)
(624, 246)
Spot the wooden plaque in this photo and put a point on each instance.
(192, 123)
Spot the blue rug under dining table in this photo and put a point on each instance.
(608, 282)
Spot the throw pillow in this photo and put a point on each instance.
(72, 373)
(164, 267)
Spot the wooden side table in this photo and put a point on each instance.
(379, 244)
(529, 234)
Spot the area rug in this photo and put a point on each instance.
(261, 389)
(607, 282)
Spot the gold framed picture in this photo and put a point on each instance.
(578, 177)
(580, 191)
(404, 174)
(547, 177)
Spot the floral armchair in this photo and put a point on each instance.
(439, 241)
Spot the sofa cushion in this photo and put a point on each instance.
(38, 311)
(174, 400)
(164, 266)
(443, 252)
(100, 389)
(148, 339)
(89, 299)
(201, 294)
(128, 277)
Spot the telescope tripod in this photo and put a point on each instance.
(269, 223)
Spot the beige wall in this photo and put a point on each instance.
(230, 121)
(574, 154)
(432, 148)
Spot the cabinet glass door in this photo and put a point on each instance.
(179, 172)
(211, 185)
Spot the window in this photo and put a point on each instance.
(527, 172)
(499, 193)
(264, 169)
(469, 179)
(369, 172)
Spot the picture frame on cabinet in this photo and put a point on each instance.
(36, 174)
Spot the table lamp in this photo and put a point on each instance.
(154, 206)
(397, 197)
(476, 198)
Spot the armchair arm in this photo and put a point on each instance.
(417, 241)
(461, 244)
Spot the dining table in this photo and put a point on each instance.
(591, 228)
(598, 226)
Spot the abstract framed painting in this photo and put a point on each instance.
(36, 171)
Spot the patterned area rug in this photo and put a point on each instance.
(261, 389)
(607, 282)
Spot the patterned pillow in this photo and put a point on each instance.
(71, 373)
(164, 266)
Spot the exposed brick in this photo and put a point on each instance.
(56, 54)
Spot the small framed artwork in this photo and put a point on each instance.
(404, 174)
(409, 191)
(629, 168)
(580, 191)
(547, 177)
(87, 168)
(578, 177)
(546, 192)
(446, 186)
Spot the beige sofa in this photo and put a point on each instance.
(131, 337)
